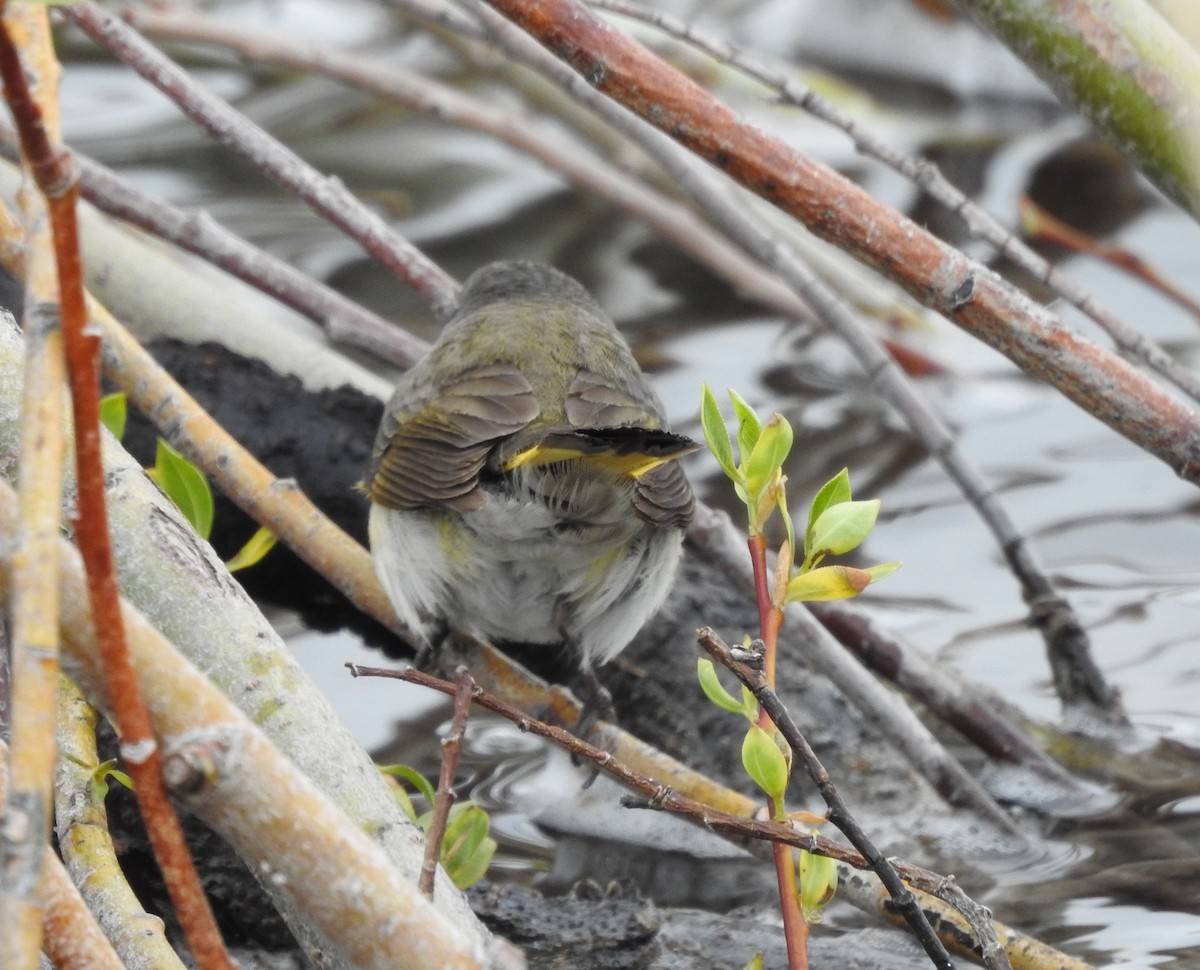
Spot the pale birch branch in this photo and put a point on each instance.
(81, 822)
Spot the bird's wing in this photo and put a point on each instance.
(595, 401)
(435, 454)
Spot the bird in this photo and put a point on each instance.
(524, 486)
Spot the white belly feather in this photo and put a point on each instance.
(515, 571)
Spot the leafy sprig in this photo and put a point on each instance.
(837, 523)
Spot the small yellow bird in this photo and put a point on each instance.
(523, 484)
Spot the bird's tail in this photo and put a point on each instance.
(631, 451)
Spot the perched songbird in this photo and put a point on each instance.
(523, 484)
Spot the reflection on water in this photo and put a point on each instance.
(1117, 530)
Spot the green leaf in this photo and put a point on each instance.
(764, 762)
(772, 447)
(749, 427)
(883, 570)
(842, 527)
(99, 786)
(716, 434)
(717, 695)
(259, 544)
(406, 805)
(817, 883)
(833, 492)
(413, 777)
(827, 583)
(474, 868)
(114, 409)
(118, 775)
(467, 850)
(100, 775)
(749, 704)
(755, 962)
(185, 485)
(466, 827)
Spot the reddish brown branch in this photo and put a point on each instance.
(55, 177)
(1039, 224)
(948, 697)
(841, 212)
(451, 748)
(925, 174)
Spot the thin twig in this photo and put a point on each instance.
(946, 695)
(444, 800)
(838, 813)
(979, 918)
(590, 174)
(738, 829)
(1040, 225)
(57, 181)
(326, 195)
(934, 273)
(197, 232)
(926, 175)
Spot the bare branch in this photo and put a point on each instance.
(326, 195)
(980, 223)
(451, 749)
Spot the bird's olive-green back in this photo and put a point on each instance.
(527, 350)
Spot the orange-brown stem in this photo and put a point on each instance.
(1044, 227)
(768, 631)
(55, 177)
(770, 619)
(795, 926)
